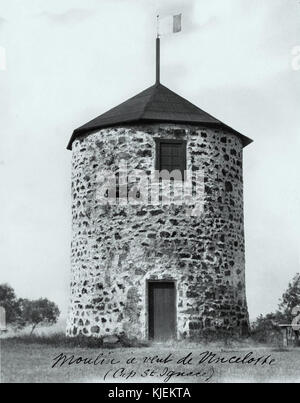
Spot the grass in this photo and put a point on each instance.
(60, 340)
(30, 359)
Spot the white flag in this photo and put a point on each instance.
(170, 25)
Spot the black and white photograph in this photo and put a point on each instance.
(150, 200)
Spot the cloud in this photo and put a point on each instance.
(191, 24)
(70, 16)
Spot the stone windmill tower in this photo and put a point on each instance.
(156, 270)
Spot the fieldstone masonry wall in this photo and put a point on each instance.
(117, 248)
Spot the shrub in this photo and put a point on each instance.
(61, 340)
(265, 330)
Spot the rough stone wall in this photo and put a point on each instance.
(116, 249)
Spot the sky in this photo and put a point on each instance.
(68, 61)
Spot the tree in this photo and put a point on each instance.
(38, 312)
(290, 299)
(265, 328)
(10, 303)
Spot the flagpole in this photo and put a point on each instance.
(157, 53)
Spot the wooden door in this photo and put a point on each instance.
(162, 310)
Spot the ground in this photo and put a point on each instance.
(29, 363)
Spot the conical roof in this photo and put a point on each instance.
(155, 104)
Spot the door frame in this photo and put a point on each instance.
(148, 282)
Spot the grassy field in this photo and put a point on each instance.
(32, 362)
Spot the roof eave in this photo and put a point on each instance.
(81, 131)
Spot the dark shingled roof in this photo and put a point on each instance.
(155, 104)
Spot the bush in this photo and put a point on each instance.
(61, 340)
(225, 337)
(266, 331)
